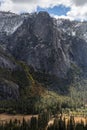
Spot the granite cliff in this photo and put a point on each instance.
(54, 49)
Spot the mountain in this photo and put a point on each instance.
(51, 47)
(36, 48)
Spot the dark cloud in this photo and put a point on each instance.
(80, 2)
(24, 1)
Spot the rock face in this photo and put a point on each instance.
(6, 61)
(48, 45)
(8, 90)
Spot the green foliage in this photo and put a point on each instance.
(43, 119)
(50, 81)
(34, 94)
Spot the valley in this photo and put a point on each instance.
(43, 72)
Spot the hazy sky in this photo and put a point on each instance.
(72, 9)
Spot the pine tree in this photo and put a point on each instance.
(34, 123)
(43, 119)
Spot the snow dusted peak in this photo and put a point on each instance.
(9, 22)
(73, 28)
(30, 15)
(13, 29)
(6, 14)
(81, 30)
(58, 22)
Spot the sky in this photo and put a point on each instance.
(69, 9)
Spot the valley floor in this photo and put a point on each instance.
(6, 118)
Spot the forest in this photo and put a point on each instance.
(42, 123)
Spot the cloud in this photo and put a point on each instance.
(80, 2)
(78, 10)
(62, 17)
(30, 5)
(77, 7)
(25, 1)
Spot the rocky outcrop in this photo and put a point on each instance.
(8, 90)
(6, 60)
(50, 46)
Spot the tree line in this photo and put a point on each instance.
(41, 123)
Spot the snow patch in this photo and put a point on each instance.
(16, 27)
(73, 33)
